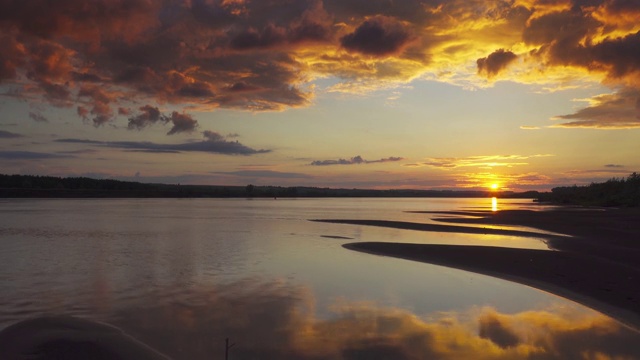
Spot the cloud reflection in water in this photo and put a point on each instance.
(273, 320)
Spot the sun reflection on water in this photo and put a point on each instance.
(494, 204)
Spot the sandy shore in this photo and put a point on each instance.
(598, 265)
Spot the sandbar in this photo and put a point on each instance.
(596, 262)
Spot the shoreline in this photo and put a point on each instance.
(597, 263)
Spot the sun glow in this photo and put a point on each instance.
(494, 186)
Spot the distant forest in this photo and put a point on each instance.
(614, 192)
(17, 186)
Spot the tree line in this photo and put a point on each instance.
(624, 192)
(76, 187)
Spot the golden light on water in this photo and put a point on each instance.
(494, 204)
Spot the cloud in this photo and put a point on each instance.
(182, 123)
(520, 181)
(266, 56)
(356, 160)
(100, 100)
(38, 117)
(150, 115)
(614, 166)
(378, 36)
(620, 110)
(214, 143)
(488, 161)
(266, 174)
(9, 135)
(495, 62)
(601, 172)
(29, 155)
(529, 127)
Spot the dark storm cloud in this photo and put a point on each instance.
(38, 117)
(379, 36)
(214, 143)
(356, 160)
(9, 135)
(495, 62)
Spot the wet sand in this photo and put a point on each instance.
(597, 265)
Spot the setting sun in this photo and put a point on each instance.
(494, 186)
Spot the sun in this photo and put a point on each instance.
(494, 186)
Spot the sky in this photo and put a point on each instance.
(419, 94)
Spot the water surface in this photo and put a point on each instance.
(184, 274)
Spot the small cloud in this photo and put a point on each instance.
(150, 115)
(182, 123)
(614, 166)
(356, 160)
(495, 62)
(38, 117)
(529, 127)
(9, 135)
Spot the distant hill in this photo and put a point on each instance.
(613, 192)
(18, 186)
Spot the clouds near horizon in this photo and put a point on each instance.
(356, 160)
(488, 161)
(9, 135)
(214, 143)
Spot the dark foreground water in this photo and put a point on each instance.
(182, 275)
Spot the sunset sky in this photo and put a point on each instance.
(431, 94)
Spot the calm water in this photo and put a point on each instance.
(184, 274)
